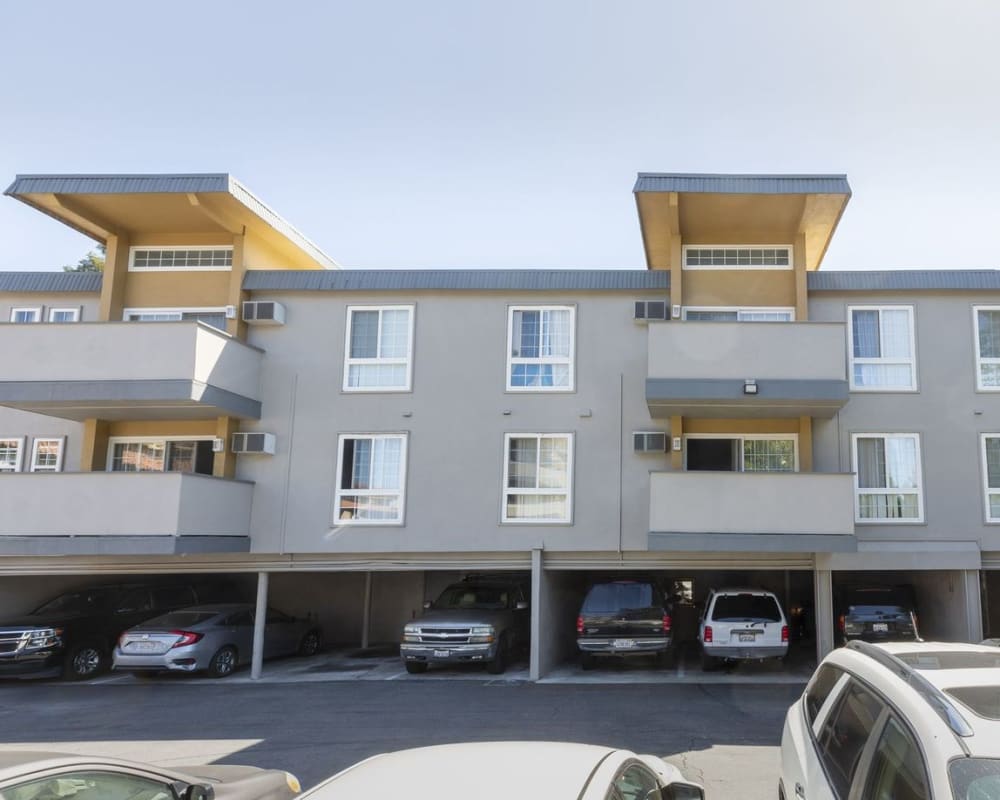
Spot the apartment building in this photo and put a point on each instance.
(224, 399)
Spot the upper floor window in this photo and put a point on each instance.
(717, 314)
(379, 352)
(26, 315)
(47, 455)
(991, 475)
(730, 256)
(64, 314)
(216, 317)
(987, 347)
(882, 348)
(540, 344)
(537, 477)
(11, 452)
(151, 259)
(371, 474)
(887, 477)
(750, 453)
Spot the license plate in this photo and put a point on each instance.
(748, 637)
(623, 644)
(144, 647)
(880, 627)
(442, 653)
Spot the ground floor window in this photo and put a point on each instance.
(371, 475)
(537, 477)
(742, 453)
(161, 455)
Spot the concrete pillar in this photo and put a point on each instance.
(366, 616)
(94, 447)
(257, 662)
(538, 603)
(224, 462)
(823, 611)
(973, 605)
(235, 295)
(112, 302)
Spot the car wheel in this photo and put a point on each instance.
(223, 663)
(586, 661)
(416, 667)
(498, 663)
(309, 646)
(84, 661)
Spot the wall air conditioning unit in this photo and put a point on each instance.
(254, 443)
(263, 312)
(646, 310)
(649, 442)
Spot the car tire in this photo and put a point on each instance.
(586, 661)
(416, 667)
(223, 663)
(310, 644)
(497, 664)
(84, 661)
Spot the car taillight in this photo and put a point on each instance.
(667, 622)
(708, 633)
(121, 640)
(842, 623)
(187, 637)
(784, 633)
(579, 624)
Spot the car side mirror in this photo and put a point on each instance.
(427, 604)
(677, 790)
(521, 605)
(192, 791)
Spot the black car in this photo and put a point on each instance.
(877, 614)
(625, 618)
(73, 634)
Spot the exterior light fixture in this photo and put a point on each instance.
(749, 386)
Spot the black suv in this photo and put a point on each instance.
(624, 618)
(877, 614)
(74, 633)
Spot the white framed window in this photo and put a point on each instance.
(737, 256)
(192, 454)
(378, 352)
(748, 314)
(64, 314)
(537, 477)
(168, 258)
(882, 349)
(986, 320)
(751, 452)
(887, 477)
(210, 315)
(371, 479)
(11, 453)
(22, 315)
(990, 452)
(540, 348)
(47, 454)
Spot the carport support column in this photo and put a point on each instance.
(823, 608)
(973, 605)
(366, 616)
(257, 662)
(538, 599)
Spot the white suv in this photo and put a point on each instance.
(741, 625)
(900, 721)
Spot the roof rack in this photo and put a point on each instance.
(935, 698)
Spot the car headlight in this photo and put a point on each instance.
(411, 633)
(482, 634)
(44, 637)
(293, 783)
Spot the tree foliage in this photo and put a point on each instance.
(92, 262)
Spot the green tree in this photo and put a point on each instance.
(92, 262)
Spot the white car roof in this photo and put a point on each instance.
(484, 770)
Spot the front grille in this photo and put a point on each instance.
(13, 640)
(444, 635)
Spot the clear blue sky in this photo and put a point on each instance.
(508, 134)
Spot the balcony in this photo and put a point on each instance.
(807, 512)
(123, 513)
(700, 369)
(129, 370)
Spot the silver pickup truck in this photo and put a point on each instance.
(478, 620)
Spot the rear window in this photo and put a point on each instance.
(607, 598)
(181, 619)
(465, 595)
(746, 608)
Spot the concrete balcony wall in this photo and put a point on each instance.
(124, 504)
(796, 504)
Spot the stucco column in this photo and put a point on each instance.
(973, 605)
(537, 605)
(823, 611)
(366, 616)
(257, 662)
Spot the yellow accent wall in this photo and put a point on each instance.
(740, 425)
(721, 287)
(170, 427)
(176, 289)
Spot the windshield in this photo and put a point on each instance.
(471, 596)
(975, 778)
(85, 602)
(180, 619)
(746, 608)
(608, 598)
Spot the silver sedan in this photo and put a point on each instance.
(212, 638)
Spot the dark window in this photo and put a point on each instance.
(609, 598)
(975, 778)
(897, 769)
(90, 785)
(275, 616)
(87, 601)
(180, 619)
(173, 596)
(464, 595)
(240, 619)
(635, 782)
(135, 600)
(746, 608)
(845, 733)
(819, 689)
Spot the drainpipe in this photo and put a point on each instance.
(257, 662)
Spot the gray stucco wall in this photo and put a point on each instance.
(455, 422)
